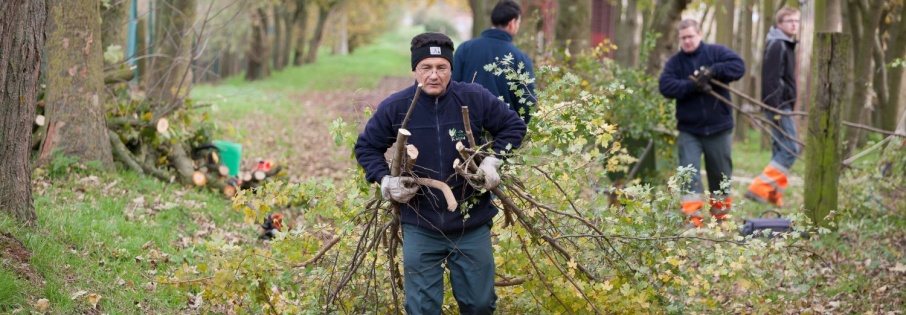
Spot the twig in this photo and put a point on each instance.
(756, 102)
(869, 128)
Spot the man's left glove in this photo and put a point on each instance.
(489, 168)
(394, 188)
(703, 79)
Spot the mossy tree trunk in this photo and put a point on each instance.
(75, 83)
(22, 24)
(823, 146)
(170, 77)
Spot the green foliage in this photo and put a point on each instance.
(629, 258)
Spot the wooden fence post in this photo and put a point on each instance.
(823, 149)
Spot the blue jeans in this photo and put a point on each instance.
(718, 159)
(784, 149)
(470, 259)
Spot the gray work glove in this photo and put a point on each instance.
(396, 189)
(489, 167)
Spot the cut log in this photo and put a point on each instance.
(39, 120)
(199, 178)
(223, 170)
(245, 176)
(229, 191)
(412, 154)
(162, 125)
(259, 175)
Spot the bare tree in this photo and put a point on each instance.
(75, 83)
(22, 25)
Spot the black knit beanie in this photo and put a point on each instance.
(427, 45)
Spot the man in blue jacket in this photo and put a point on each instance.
(705, 123)
(434, 237)
(497, 42)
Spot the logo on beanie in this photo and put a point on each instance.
(435, 50)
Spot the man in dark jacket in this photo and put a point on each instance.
(434, 237)
(496, 43)
(778, 90)
(705, 123)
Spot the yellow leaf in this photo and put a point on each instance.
(94, 298)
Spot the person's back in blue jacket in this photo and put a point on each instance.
(493, 44)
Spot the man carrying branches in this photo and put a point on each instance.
(433, 236)
(778, 90)
(705, 123)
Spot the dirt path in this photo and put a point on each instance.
(305, 146)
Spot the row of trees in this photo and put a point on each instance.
(90, 115)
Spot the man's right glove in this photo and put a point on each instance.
(394, 188)
(489, 167)
(703, 79)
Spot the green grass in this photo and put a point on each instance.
(90, 233)
(362, 69)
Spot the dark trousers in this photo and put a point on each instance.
(718, 159)
(470, 259)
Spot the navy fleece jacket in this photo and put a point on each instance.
(472, 55)
(436, 125)
(700, 113)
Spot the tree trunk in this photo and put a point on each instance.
(725, 14)
(141, 50)
(866, 22)
(481, 15)
(822, 148)
(170, 77)
(315, 43)
(258, 53)
(300, 19)
(22, 24)
(666, 16)
(114, 19)
(289, 39)
(573, 27)
(75, 84)
(279, 38)
(341, 45)
(747, 53)
(896, 49)
(627, 36)
(828, 16)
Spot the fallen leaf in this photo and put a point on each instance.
(881, 289)
(899, 267)
(94, 298)
(42, 305)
